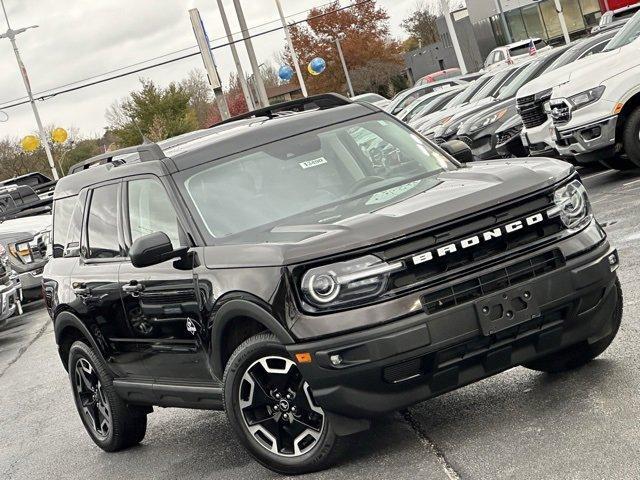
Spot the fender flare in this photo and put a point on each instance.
(235, 308)
(67, 319)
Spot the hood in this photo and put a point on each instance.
(454, 194)
(508, 105)
(591, 70)
(27, 225)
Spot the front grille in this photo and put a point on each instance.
(493, 281)
(507, 135)
(467, 261)
(531, 109)
(467, 140)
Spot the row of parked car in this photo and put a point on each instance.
(578, 102)
(25, 226)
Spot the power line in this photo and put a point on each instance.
(44, 95)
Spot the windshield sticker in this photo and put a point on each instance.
(313, 163)
(390, 194)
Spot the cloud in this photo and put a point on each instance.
(80, 38)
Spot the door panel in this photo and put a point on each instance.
(161, 302)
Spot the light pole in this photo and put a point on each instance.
(263, 100)
(337, 39)
(236, 58)
(11, 35)
(294, 56)
(454, 36)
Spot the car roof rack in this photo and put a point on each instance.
(315, 102)
(148, 151)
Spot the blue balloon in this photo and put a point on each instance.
(317, 65)
(285, 73)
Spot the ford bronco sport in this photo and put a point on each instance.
(270, 268)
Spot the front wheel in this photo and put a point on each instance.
(582, 353)
(631, 137)
(110, 422)
(272, 410)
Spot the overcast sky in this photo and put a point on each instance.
(77, 39)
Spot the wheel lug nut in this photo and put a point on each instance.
(285, 416)
(276, 407)
(289, 396)
(278, 396)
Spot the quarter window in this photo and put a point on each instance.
(151, 211)
(102, 226)
(67, 224)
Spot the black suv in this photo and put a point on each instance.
(271, 268)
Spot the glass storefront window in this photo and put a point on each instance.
(533, 22)
(516, 25)
(498, 30)
(573, 15)
(591, 12)
(550, 17)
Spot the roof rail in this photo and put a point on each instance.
(148, 151)
(322, 102)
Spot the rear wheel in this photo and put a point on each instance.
(582, 353)
(272, 411)
(631, 137)
(109, 421)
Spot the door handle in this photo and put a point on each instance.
(133, 288)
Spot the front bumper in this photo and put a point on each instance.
(423, 355)
(540, 140)
(9, 301)
(588, 142)
(32, 284)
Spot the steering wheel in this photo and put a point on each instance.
(363, 182)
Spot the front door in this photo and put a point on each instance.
(160, 301)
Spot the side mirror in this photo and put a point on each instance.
(153, 249)
(458, 150)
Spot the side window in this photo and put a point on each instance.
(151, 210)
(595, 49)
(499, 56)
(102, 225)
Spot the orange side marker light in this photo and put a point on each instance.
(303, 357)
(618, 108)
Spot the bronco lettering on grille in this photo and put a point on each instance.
(477, 239)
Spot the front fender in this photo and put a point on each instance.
(234, 308)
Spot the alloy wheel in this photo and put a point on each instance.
(95, 405)
(278, 409)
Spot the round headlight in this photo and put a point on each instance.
(323, 287)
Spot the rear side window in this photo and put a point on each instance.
(102, 225)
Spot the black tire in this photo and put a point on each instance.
(248, 355)
(619, 162)
(582, 353)
(631, 137)
(128, 423)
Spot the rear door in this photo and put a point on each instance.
(96, 288)
(160, 301)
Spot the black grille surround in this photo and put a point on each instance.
(531, 109)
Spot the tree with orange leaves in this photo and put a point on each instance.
(367, 45)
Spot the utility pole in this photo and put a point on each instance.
(454, 36)
(209, 64)
(11, 35)
(344, 64)
(236, 58)
(294, 56)
(563, 23)
(262, 92)
(503, 19)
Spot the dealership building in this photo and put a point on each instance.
(530, 18)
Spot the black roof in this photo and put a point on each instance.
(222, 140)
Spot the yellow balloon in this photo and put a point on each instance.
(59, 135)
(30, 143)
(311, 71)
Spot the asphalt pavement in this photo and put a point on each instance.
(520, 424)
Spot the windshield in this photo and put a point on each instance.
(519, 80)
(369, 97)
(493, 85)
(317, 177)
(465, 95)
(410, 96)
(626, 35)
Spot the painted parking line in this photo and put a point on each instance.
(631, 183)
(596, 174)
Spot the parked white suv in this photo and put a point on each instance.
(595, 103)
(538, 132)
(513, 53)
